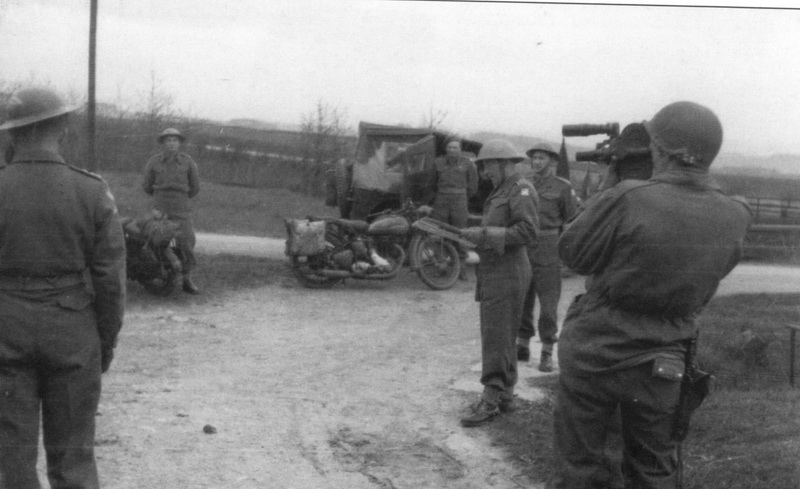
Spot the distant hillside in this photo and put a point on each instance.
(782, 164)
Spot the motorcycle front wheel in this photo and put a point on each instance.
(303, 268)
(162, 286)
(437, 261)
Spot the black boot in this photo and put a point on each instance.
(188, 286)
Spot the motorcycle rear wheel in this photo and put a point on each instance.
(437, 261)
(303, 269)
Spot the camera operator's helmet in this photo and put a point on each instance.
(170, 131)
(31, 105)
(687, 130)
(499, 149)
(544, 148)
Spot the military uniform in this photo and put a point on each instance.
(557, 203)
(62, 294)
(172, 181)
(510, 224)
(655, 251)
(456, 182)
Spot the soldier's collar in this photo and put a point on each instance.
(37, 155)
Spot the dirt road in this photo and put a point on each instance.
(361, 386)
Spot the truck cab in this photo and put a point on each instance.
(391, 165)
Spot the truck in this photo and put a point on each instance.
(392, 165)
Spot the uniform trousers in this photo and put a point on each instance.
(546, 285)
(452, 209)
(186, 241)
(587, 415)
(177, 208)
(502, 281)
(49, 364)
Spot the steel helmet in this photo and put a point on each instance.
(499, 149)
(544, 148)
(687, 130)
(31, 105)
(170, 131)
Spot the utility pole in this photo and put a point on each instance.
(90, 110)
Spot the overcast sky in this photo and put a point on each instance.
(522, 68)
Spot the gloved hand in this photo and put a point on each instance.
(106, 355)
(476, 234)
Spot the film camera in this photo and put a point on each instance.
(627, 152)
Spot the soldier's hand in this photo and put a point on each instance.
(475, 234)
(106, 355)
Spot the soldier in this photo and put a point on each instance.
(171, 177)
(62, 296)
(557, 202)
(655, 251)
(509, 225)
(456, 183)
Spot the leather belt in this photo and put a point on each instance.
(23, 282)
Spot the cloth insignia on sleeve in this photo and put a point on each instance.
(525, 192)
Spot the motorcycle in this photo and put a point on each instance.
(326, 251)
(153, 258)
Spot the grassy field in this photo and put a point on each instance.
(747, 433)
(226, 209)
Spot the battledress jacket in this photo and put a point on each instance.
(172, 181)
(512, 224)
(655, 252)
(59, 221)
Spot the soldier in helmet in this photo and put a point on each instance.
(456, 182)
(62, 296)
(508, 227)
(655, 251)
(172, 178)
(557, 202)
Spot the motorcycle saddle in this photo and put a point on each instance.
(354, 225)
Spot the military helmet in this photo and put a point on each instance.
(31, 105)
(687, 130)
(499, 149)
(544, 148)
(170, 131)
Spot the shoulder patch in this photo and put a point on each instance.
(525, 191)
(87, 173)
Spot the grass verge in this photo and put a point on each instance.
(747, 433)
(226, 209)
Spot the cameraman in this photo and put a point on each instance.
(655, 251)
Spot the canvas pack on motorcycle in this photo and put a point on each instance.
(152, 258)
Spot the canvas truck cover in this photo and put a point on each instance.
(399, 160)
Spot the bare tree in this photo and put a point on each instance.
(324, 130)
(434, 118)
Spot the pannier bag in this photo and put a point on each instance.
(304, 237)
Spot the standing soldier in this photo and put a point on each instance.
(656, 251)
(509, 226)
(557, 202)
(171, 177)
(62, 296)
(456, 182)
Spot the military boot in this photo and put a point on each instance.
(188, 286)
(480, 413)
(546, 360)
